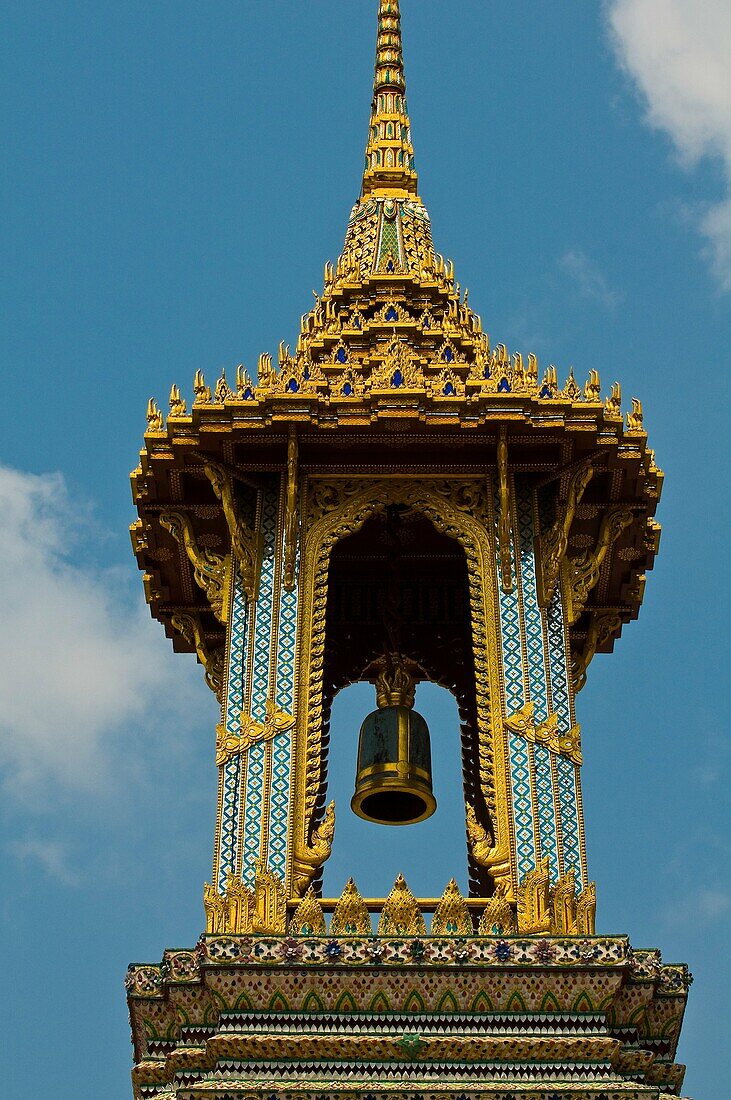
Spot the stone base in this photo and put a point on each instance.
(285, 1018)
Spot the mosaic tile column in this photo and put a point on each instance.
(545, 785)
(261, 649)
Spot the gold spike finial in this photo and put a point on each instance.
(389, 153)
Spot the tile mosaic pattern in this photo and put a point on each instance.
(522, 803)
(253, 807)
(535, 647)
(270, 625)
(254, 794)
(483, 951)
(515, 698)
(567, 783)
(568, 773)
(282, 745)
(537, 794)
(228, 851)
(531, 611)
(557, 661)
(265, 602)
(279, 803)
(546, 808)
(231, 777)
(404, 1088)
(362, 1017)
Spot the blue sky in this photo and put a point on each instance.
(174, 177)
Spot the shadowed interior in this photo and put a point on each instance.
(434, 626)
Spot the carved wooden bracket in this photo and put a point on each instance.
(602, 626)
(582, 572)
(211, 571)
(553, 543)
(245, 542)
(212, 660)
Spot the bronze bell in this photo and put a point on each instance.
(393, 784)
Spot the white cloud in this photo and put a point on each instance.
(82, 667)
(588, 277)
(678, 53)
(713, 904)
(50, 854)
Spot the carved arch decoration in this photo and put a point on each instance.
(335, 508)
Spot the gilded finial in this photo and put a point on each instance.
(155, 421)
(265, 371)
(592, 387)
(244, 384)
(223, 390)
(613, 404)
(389, 153)
(571, 389)
(549, 385)
(200, 389)
(635, 418)
(177, 403)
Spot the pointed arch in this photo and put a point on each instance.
(463, 511)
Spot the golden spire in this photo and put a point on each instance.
(389, 153)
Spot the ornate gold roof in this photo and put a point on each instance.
(392, 329)
(390, 316)
(392, 359)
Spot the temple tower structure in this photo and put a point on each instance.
(398, 500)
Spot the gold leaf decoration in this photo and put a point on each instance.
(309, 919)
(534, 907)
(350, 916)
(401, 915)
(240, 910)
(498, 918)
(452, 915)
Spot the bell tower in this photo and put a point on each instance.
(399, 501)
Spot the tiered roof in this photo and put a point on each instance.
(393, 360)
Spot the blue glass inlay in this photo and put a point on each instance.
(449, 390)
(392, 315)
(248, 395)
(545, 392)
(341, 356)
(293, 385)
(448, 356)
(503, 386)
(398, 379)
(347, 390)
